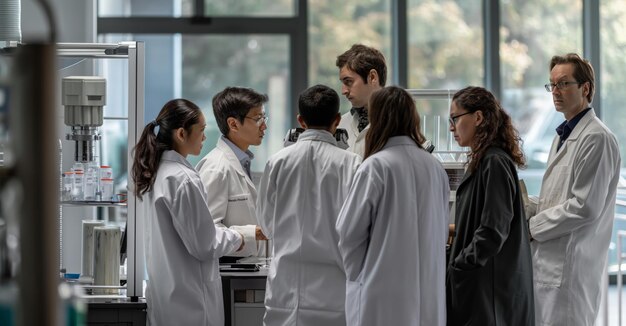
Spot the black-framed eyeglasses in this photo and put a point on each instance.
(259, 121)
(453, 119)
(560, 85)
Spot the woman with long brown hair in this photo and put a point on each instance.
(393, 226)
(182, 242)
(489, 278)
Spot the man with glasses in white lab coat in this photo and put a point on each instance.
(570, 225)
(225, 171)
(300, 195)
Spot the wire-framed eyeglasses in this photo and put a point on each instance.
(453, 119)
(259, 121)
(560, 85)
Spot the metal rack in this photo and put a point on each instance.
(621, 235)
(134, 53)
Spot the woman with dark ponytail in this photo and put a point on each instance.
(182, 244)
(490, 275)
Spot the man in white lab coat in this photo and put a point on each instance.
(225, 171)
(573, 219)
(301, 192)
(362, 71)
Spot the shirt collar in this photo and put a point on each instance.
(172, 155)
(399, 141)
(354, 111)
(318, 135)
(242, 156)
(565, 128)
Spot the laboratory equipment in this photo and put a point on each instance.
(88, 124)
(106, 172)
(107, 258)
(88, 249)
(78, 186)
(106, 189)
(10, 16)
(341, 136)
(84, 98)
(67, 182)
(92, 170)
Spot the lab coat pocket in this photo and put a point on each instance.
(238, 211)
(550, 258)
(353, 302)
(557, 184)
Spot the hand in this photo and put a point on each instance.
(259, 234)
(451, 233)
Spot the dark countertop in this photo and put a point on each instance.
(115, 303)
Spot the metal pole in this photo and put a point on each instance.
(36, 149)
(491, 33)
(620, 234)
(399, 47)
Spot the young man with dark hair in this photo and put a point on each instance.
(300, 195)
(362, 71)
(225, 171)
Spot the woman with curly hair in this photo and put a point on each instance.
(490, 277)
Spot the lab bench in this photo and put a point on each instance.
(244, 293)
(116, 312)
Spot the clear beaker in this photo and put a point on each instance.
(106, 189)
(78, 185)
(66, 193)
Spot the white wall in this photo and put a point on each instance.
(75, 20)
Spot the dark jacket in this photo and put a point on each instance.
(490, 277)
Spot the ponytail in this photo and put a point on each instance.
(178, 113)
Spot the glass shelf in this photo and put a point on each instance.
(94, 203)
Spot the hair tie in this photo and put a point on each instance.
(156, 126)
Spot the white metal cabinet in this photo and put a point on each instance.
(133, 52)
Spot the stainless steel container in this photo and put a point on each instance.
(88, 249)
(107, 258)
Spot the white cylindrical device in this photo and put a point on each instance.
(88, 247)
(84, 98)
(107, 257)
(10, 21)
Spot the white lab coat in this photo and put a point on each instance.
(182, 248)
(300, 195)
(356, 139)
(232, 195)
(393, 229)
(572, 230)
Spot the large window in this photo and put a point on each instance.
(531, 33)
(445, 43)
(269, 8)
(198, 67)
(613, 70)
(613, 99)
(335, 26)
